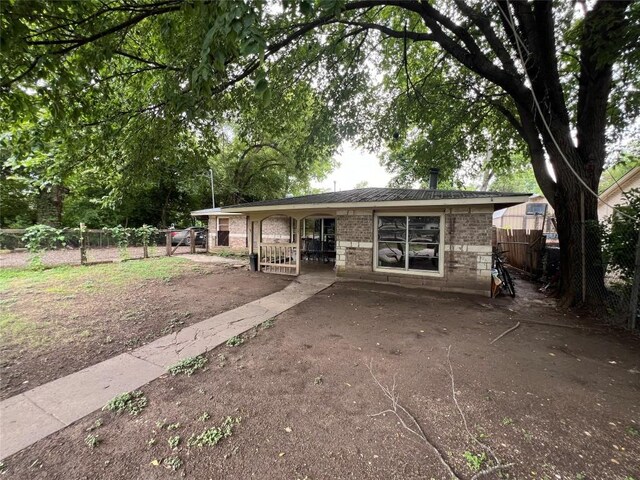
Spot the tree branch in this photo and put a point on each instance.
(148, 62)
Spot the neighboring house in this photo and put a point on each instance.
(535, 214)
(432, 238)
(614, 195)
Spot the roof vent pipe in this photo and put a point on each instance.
(433, 178)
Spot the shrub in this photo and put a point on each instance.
(39, 238)
(621, 237)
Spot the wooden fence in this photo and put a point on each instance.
(524, 248)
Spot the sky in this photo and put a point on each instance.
(355, 165)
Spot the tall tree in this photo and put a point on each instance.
(558, 76)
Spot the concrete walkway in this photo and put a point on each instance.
(37, 413)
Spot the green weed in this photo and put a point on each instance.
(174, 441)
(235, 341)
(212, 436)
(188, 366)
(475, 460)
(172, 463)
(133, 402)
(204, 417)
(632, 431)
(92, 440)
(96, 424)
(173, 426)
(507, 421)
(267, 324)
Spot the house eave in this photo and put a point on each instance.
(497, 202)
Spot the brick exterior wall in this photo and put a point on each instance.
(238, 231)
(466, 252)
(354, 237)
(276, 229)
(213, 233)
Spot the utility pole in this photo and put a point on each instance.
(334, 185)
(213, 197)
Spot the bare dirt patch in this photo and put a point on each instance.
(558, 401)
(73, 317)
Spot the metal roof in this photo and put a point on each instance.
(211, 211)
(377, 195)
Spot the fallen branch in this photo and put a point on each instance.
(396, 408)
(490, 470)
(498, 465)
(504, 333)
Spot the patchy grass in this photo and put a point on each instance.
(22, 331)
(62, 284)
(230, 253)
(67, 279)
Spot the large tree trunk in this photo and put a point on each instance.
(576, 209)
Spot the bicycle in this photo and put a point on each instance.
(503, 274)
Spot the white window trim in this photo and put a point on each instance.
(402, 271)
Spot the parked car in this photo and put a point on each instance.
(183, 237)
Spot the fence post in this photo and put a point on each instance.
(83, 244)
(145, 248)
(635, 289)
(192, 241)
(168, 243)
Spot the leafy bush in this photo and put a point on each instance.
(188, 365)
(621, 237)
(145, 233)
(39, 238)
(121, 235)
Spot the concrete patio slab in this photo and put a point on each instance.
(37, 413)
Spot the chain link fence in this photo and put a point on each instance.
(609, 269)
(76, 246)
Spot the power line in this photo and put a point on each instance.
(519, 42)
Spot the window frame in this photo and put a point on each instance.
(405, 270)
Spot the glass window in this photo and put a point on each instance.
(409, 242)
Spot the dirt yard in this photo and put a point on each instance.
(559, 397)
(62, 320)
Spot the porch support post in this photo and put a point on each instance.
(251, 233)
(259, 242)
(298, 256)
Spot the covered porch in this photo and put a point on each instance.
(291, 243)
